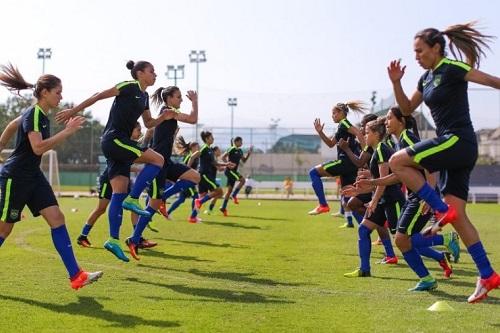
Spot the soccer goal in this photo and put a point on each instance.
(49, 165)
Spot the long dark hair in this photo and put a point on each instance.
(13, 80)
(356, 106)
(160, 95)
(137, 66)
(183, 147)
(378, 126)
(465, 40)
(409, 121)
(204, 135)
(237, 138)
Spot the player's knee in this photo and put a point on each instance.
(402, 242)
(313, 173)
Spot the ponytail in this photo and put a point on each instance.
(181, 145)
(161, 94)
(13, 80)
(409, 121)
(356, 106)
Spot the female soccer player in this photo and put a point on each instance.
(22, 181)
(443, 87)
(104, 198)
(343, 166)
(234, 154)
(413, 215)
(208, 187)
(131, 101)
(386, 200)
(169, 100)
(191, 155)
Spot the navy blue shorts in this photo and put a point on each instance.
(171, 171)
(105, 191)
(342, 168)
(232, 177)
(207, 184)
(189, 192)
(453, 157)
(388, 211)
(120, 153)
(412, 220)
(36, 193)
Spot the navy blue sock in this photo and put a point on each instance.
(86, 229)
(389, 251)
(342, 209)
(415, 262)
(358, 217)
(364, 247)
(144, 179)
(1, 240)
(348, 217)
(205, 198)
(179, 185)
(176, 203)
(480, 258)
(224, 203)
(429, 252)
(62, 243)
(419, 241)
(115, 214)
(141, 225)
(317, 186)
(211, 206)
(195, 196)
(236, 191)
(429, 195)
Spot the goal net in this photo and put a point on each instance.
(49, 166)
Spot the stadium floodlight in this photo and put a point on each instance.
(44, 53)
(197, 57)
(175, 73)
(232, 102)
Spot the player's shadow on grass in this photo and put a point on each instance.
(263, 218)
(89, 307)
(462, 298)
(157, 254)
(224, 245)
(242, 277)
(217, 294)
(456, 271)
(234, 225)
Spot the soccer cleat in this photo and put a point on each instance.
(447, 217)
(453, 245)
(337, 214)
(83, 241)
(114, 247)
(446, 266)
(152, 226)
(357, 273)
(425, 285)
(378, 241)
(133, 205)
(207, 211)
(346, 225)
(83, 278)
(389, 261)
(235, 200)
(194, 220)
(319, 210)
(133, 248)
(163, 210)
(223, 211)
(197, 204)
(146, 244)
(483, 286)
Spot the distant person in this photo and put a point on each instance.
(288, 187)
(249, 185)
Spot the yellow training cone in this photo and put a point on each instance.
(440, 306)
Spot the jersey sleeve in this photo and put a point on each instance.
(31, 123)
(146, 106)
(126, 87)
(420, 84)
(342, 131)
(458, 70)
(383, 154)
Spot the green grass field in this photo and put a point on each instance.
(268, 268)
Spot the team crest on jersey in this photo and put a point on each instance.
(437, 80)
(14, 214)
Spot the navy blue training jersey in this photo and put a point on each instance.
(23, 162)
(381, 155)
(207, 161)
(343, 133)
(195, 163)
(127, 107)
(234, 154)
(163, 136)
(444, 90)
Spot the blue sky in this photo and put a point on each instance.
(286, 59)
